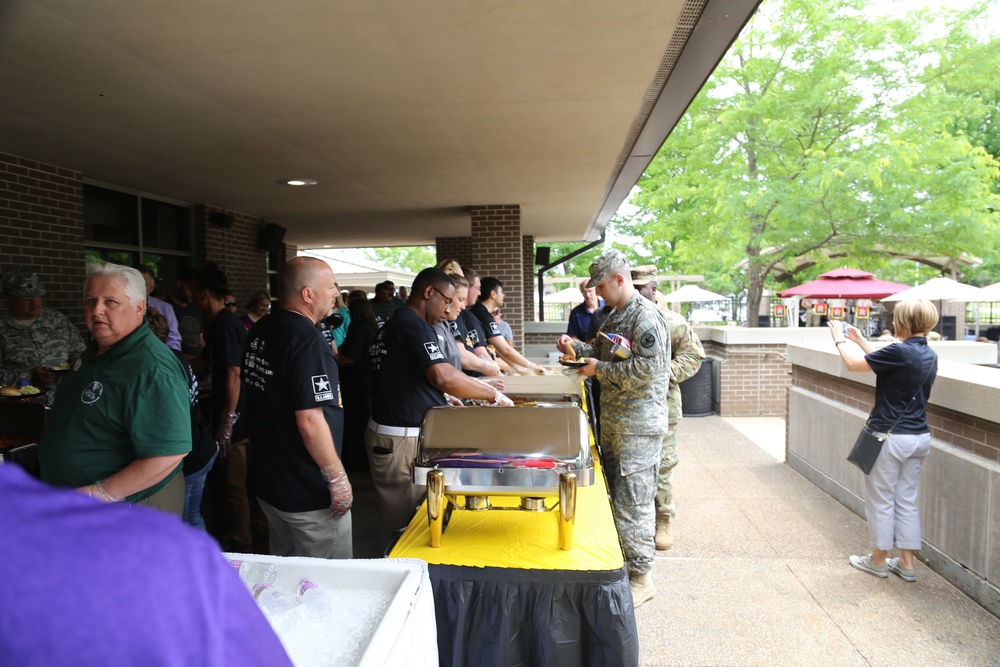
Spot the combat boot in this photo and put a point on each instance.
(642, 588)
(664, 538)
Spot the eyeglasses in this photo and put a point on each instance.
(230, 304)
(447, 301)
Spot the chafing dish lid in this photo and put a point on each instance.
(552, 433)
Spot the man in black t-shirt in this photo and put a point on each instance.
(190, 320)
(490, 299)
(293, 403)
(409, 376)
(223, 356)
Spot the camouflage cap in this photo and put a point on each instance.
(643, 275)
(605, 264)
(22, 284)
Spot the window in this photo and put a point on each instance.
(130, 228)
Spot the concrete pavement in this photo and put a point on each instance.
(759, 574)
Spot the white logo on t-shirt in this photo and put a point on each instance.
(92, 393)
(433, 351)
(321, 388)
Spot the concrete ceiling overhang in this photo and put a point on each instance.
(406, 113)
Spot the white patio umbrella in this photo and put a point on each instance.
(568, 295)
(940, 289)
(692, 293)
(991, 292)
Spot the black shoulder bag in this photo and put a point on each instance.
(869, 443)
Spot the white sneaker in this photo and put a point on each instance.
(865, 564)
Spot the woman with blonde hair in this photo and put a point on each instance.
(451, 267)
(905, 372)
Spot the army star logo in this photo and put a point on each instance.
(433, 351)
(321, 388)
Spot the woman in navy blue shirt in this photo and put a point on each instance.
(905, 372)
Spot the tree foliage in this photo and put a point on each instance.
(825, 131)
(407, 258)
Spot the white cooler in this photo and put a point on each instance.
(407, 632)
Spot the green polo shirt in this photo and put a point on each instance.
(131, 402)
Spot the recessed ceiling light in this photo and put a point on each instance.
(296, 181)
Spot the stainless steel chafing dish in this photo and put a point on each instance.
(536, 451)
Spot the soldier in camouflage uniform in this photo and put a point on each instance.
(633, 409)
(32, 338)
(686, 354)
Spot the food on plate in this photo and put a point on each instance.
(10, 391)
(29, 390)
(569, 356)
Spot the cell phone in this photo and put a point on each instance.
(845, 327)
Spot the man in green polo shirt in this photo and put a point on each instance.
(123, 426)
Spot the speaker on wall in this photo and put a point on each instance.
(271, 235)
(543, 255)
(222, 219)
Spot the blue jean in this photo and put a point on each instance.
(194, 486)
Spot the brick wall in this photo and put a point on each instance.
(41, 227)
(234, 250)
(753, 379)
(961, 430)
(458, 248)
(497, 251)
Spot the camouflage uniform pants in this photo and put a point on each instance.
(664, 485)
(632, 498)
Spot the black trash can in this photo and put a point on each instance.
(696, 392)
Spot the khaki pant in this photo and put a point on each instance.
(170, 498)
(390, 458)
(314, 534)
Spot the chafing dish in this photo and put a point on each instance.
(536, 452)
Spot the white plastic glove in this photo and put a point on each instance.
(341, 493)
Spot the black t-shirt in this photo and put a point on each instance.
(288, 366)
(357, 347)
(202, 442)
(190, 322)
(224, 342)
(899, 369)
(405, 348)
(485, 318)
(471, 331)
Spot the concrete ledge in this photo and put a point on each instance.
(960, 386)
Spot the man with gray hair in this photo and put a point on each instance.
(33, 339)
(632, 361)
(121, 426)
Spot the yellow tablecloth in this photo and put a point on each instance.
(520, 539)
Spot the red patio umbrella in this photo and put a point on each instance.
(845, 283)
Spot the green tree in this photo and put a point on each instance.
(825, 131)
(407, 258)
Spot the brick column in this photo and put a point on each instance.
(497, 251)
(458, 248)
(41, 225)
(530, 280)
